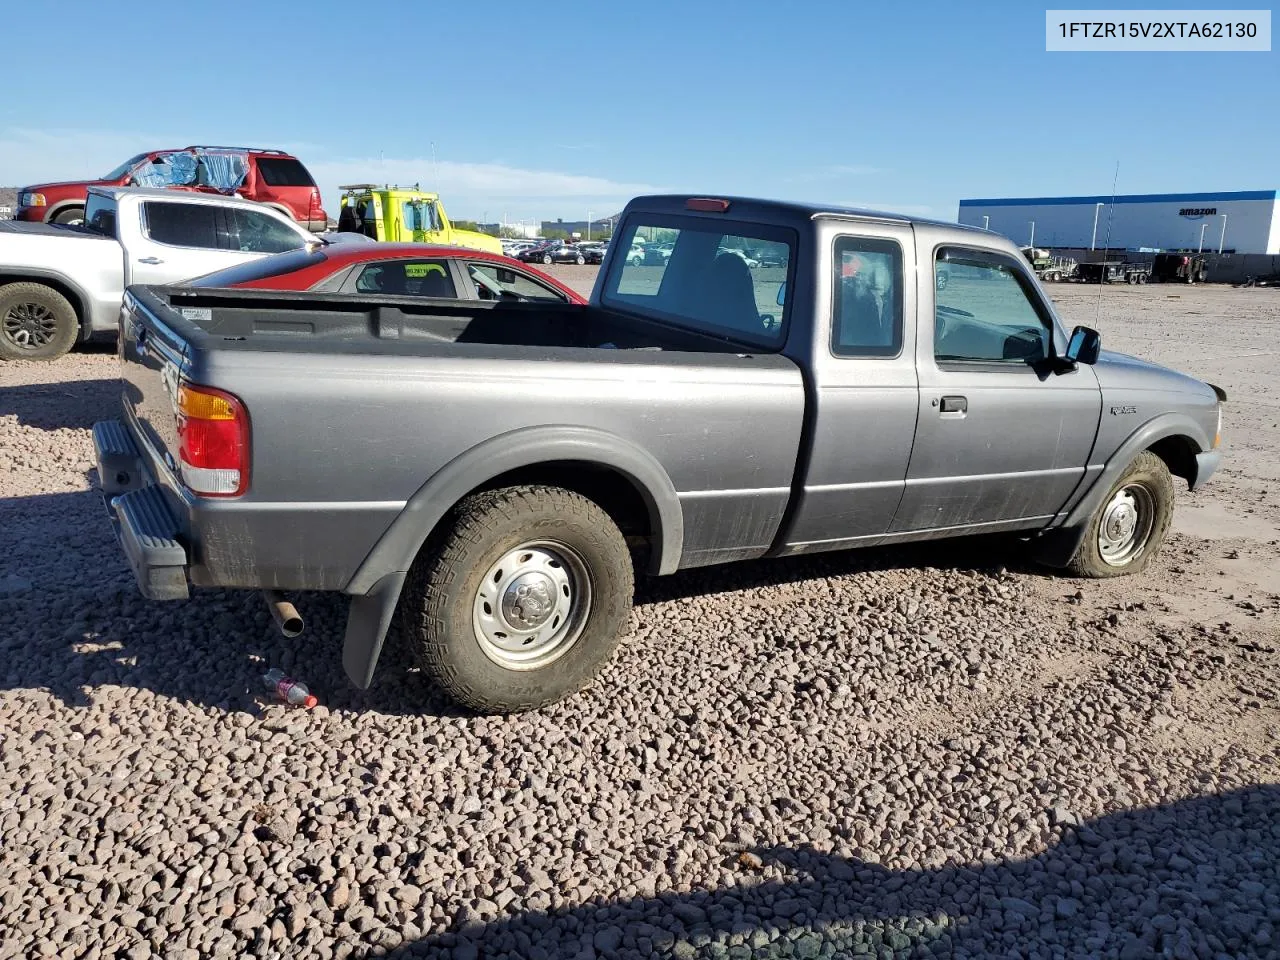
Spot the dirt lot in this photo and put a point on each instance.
(937, 751)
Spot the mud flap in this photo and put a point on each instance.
(367, 623)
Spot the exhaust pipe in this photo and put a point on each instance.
(284, 613)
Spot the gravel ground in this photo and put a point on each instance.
(937, 751)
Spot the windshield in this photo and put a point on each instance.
(125, 167)
(715, 276)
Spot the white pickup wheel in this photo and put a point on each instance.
(36, 322)
(521, 601)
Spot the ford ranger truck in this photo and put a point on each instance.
(697, 411)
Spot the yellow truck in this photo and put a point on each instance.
(404, 215)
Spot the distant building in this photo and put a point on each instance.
(1240, 222)
(598, 228)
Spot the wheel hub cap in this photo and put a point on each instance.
(529, 601)
(1126, 525)
(29, 325)
(531, 605)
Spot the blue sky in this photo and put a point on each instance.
(544, 110)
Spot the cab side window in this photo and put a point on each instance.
(985, 310)
(866, 319)
(255, 232)
(182, 224)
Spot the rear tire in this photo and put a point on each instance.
(69, 215)
(522, 601)
(36, 322)
(1130, 524)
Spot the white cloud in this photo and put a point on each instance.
(469, 189)
(835, 171)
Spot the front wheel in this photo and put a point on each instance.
(69, 215)
(522, 601)
(581, 259)
(546, 258)
(1128, 527)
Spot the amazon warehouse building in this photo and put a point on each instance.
(1243, 222)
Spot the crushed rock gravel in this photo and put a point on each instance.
(936, 751)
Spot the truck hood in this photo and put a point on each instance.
(1121, 371)
(64, 184)
(475, 240)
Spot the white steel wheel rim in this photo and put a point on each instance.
(1126, 525)
(532, 604)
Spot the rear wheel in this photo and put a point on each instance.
(581, 259)
(1128, 527)
(522, 601)
(36, 322)
(69, 215)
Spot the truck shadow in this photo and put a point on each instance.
(1195, 878)
(61, 405)
(75, 619)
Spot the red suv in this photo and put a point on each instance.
(272, 177)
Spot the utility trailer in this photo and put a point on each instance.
(1179, 268)
(1114, 271)
(1047, 266)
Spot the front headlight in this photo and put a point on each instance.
(31, 199)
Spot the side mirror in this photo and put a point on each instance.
(782, 293)
(1084, 346)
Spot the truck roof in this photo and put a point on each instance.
(755, 207)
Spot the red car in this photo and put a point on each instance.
(272, 177)
(395, 269)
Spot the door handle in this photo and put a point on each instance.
(150, 260)
(954, 405)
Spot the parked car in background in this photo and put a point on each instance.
(404, 215)
(271, 177)
(493, 475)
(635, 254)
(594, 252)
(561, 252)
(61, 283)
(535, 253)
(398, 270)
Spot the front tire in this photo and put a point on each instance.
(522, 601)
(581, 259)
(36, 322)
(546, 258)
(69, 215)
(1126, 530)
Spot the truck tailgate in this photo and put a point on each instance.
(151, 360)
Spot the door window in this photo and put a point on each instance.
(866, 319)
(408, 278)
(181, 224)
(252, 231)
(986, 310)
(493, 280)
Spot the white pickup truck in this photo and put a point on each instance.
(60, 284)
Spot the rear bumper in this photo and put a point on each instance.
(315, 226)
(1206, 466)
(143, 524)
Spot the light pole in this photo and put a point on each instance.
(1223, 238)
(1093, 241)
(1033, 234)
(588, 226)
(1200, 248)
(985, 220)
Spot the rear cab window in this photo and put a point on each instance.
(720, 277)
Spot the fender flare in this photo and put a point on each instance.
(57, 208)
(1058, 544)
(375, 586)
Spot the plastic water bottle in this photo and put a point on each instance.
(288, 689)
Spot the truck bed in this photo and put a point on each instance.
(356, 403)
(276, 321)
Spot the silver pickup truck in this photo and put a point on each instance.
(789, 379)
(60, 284)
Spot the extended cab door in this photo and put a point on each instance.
(865, 393)
(1003, 433)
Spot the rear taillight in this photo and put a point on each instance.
(316, 207)
(213, 441)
